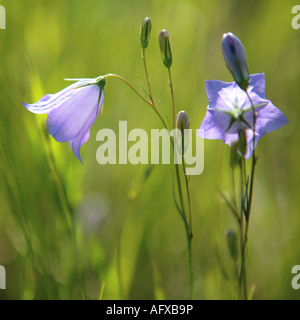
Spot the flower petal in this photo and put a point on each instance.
(269, 119)
(213, 87)
(65, 123)
(258, 84)
(214, 125)
(50, 101)
(84, 134)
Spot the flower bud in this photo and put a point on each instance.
(236, 60)
(165, 48)
(232, 244)
(145, 32)
(182, 122)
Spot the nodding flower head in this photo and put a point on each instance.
(72, 111)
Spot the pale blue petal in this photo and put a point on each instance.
(269, 119)
(214, 125)
(64, 123)
(258, 84)
(84, 133)
(50, 101)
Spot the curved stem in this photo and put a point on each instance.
(172, 93)
(146, 72)
(111, 75)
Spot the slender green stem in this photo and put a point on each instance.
(188, 235)
(187, 191)
(112, 75)
(246, 207)
(187, 225)
(191, 277)
(234, 195)
(150, 92)
(146, 72)
(249, 203)
(242, 281)
(172, 93)
(150, 103)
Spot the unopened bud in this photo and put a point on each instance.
(145, 32)
(232, 244)
(182, 122)
(165, 48)
(236, 60)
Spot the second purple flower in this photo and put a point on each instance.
(230, 110)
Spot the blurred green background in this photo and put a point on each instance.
(130, 241)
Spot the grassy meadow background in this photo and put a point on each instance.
(130, 241)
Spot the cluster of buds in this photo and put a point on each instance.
(164, 41)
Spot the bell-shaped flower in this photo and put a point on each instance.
(230, 111)
(72, 111)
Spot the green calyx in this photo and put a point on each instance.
(237, 114)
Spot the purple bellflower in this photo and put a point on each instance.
(72, 111)
(230, 111)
